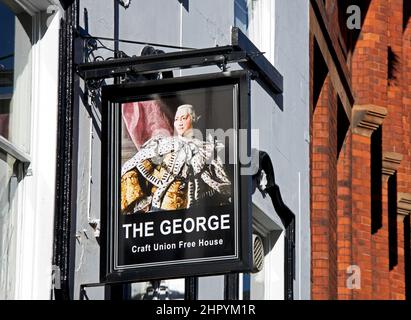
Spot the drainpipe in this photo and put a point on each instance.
(61, 289)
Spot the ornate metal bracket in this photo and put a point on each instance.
(157, 63)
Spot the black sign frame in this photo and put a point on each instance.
(112, 98)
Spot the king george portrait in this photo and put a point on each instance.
(172, 169)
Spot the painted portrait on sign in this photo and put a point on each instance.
(169, 162)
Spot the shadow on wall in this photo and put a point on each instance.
(343, 126)
(241, 15)
(185, 4)
(364, 5)
(320, 74)
(407, 13)
(392, 221)
(393, 67)
(376, 181)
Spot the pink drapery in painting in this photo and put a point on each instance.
(144, 120)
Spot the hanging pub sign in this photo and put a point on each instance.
(175, 202)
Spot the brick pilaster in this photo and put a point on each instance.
(324, 195)
(344, 213)
(404, 172)
(405, 179)
(381, 284)
(366, 119)
(397, 274)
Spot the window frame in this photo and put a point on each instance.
(32, 265)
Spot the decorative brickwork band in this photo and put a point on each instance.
(403, 205)
(367, 118)
(390, 163)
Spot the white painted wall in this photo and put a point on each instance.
(37, 190)
(292, 136)
(281, 30)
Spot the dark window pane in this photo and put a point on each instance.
(7, 29)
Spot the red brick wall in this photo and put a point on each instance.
(369, 78)
(324, 195)
(343, 202)
(393, 127)
(344, 214)
(397, 275)
(381, 251)
(404, 173)
(369, 61)
(404, 184)
(361, 207)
